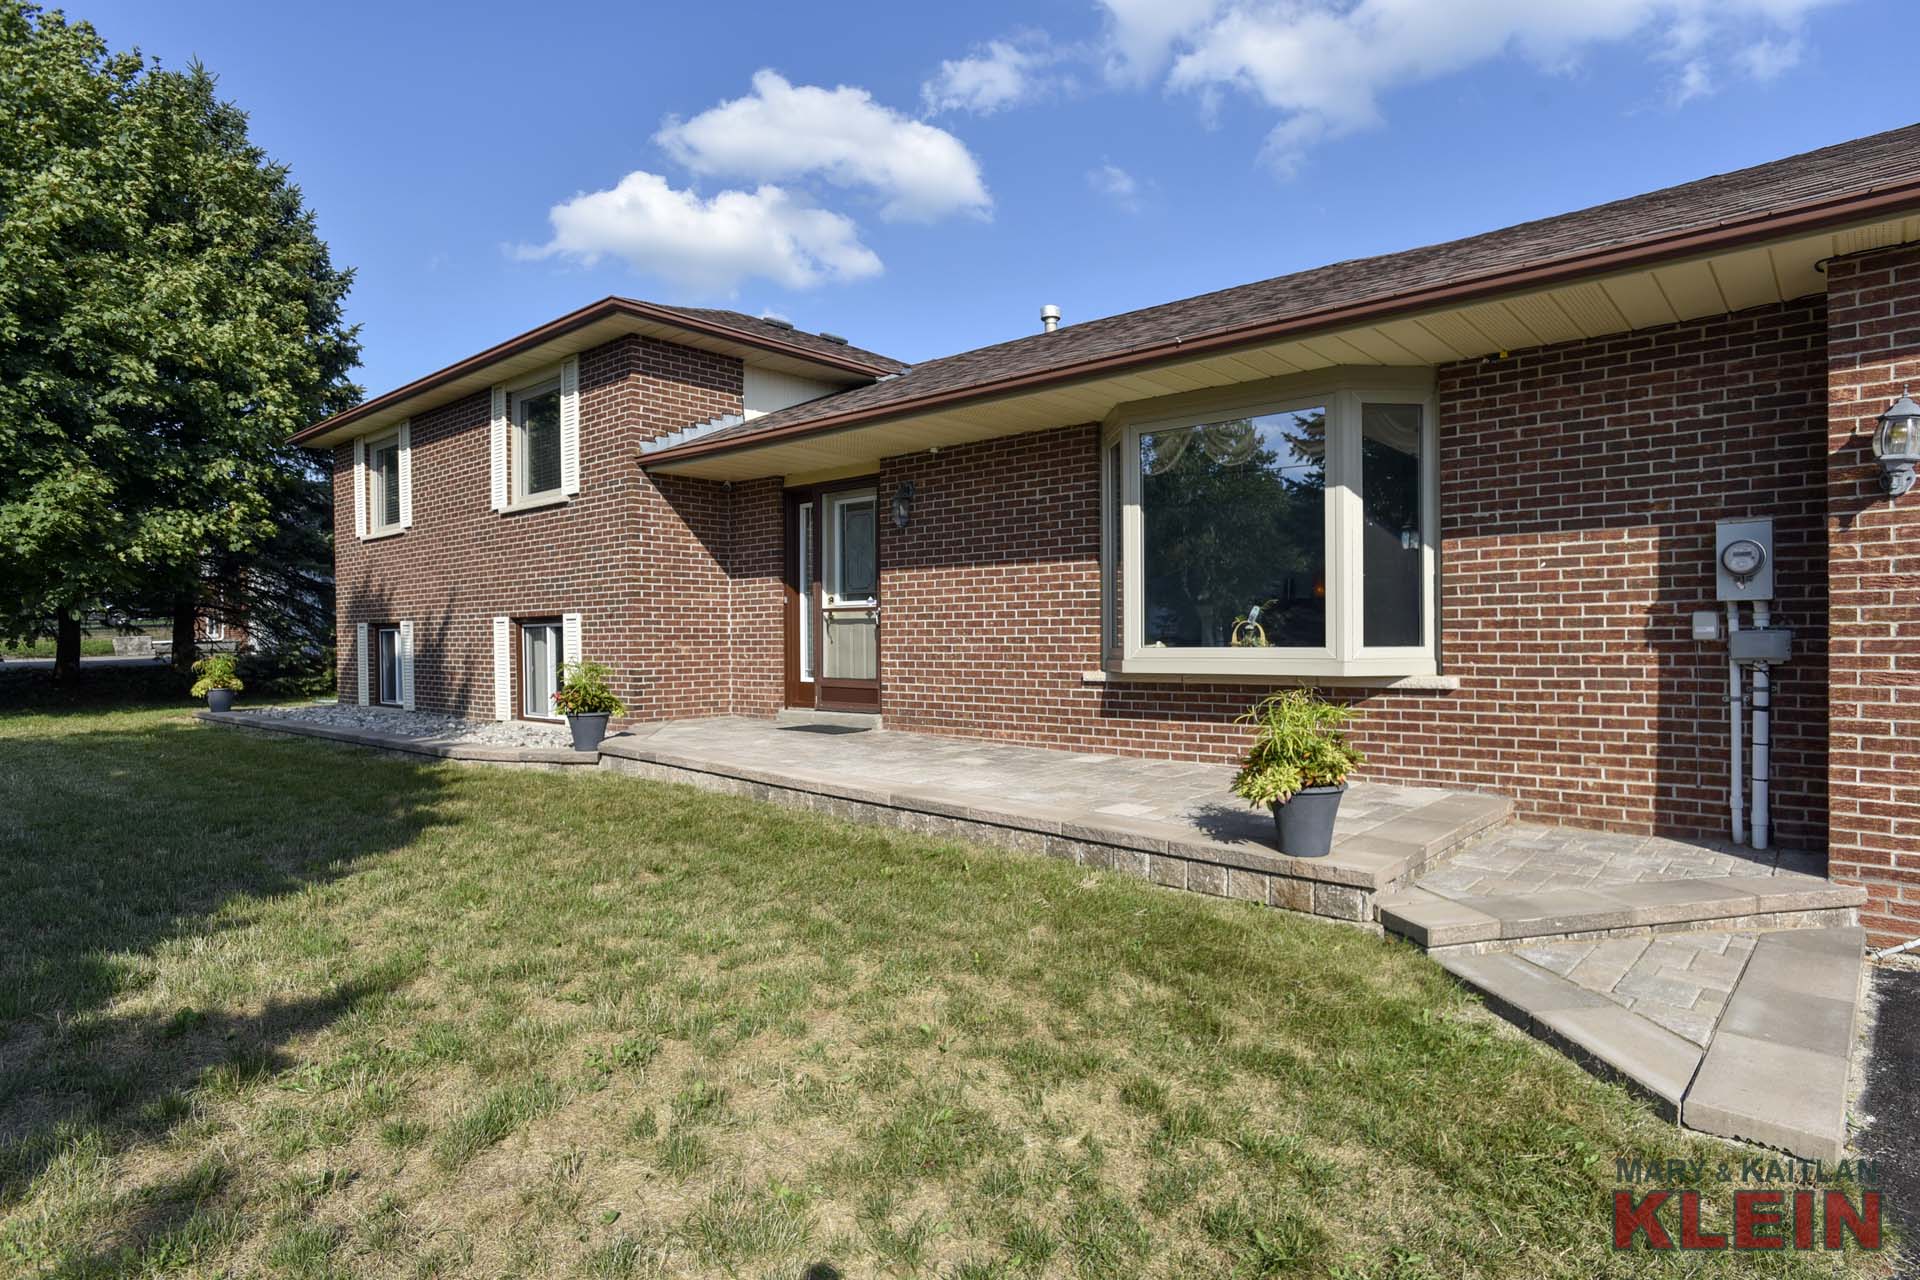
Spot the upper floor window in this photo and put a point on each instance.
(536, 441)
(383, 483)
(1283, 529)
(536, 438)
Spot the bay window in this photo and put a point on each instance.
(1285, 528)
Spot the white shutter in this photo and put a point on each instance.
(406, 475)
(502, 669)
(406, 658)
(499, 435)
(570, 426)
(360, 653)
(359, 488)
(570, 637)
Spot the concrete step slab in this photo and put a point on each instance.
(1776, 1071)
(1635, 907)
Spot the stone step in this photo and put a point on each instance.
(1773, 1072)
(1776, 1071)
(1488, 922)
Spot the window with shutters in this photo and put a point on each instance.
(536, 448)
(383, 485)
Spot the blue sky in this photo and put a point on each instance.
(922, 178)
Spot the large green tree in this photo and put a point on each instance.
(168, 316)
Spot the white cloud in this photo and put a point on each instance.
(841, 136)
(1141, 35)
(708, 245)
(1003, 73)
(1117, 185)
(1765, 59)
(1324, 64)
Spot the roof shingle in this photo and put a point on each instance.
(1831, 173)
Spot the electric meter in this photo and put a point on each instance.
(1743, 558)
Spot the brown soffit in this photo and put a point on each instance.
(1719, 236)
(592, 313)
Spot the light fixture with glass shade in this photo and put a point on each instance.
(1897, 444)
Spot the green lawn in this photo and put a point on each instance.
(273, 1007)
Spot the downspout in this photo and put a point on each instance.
(1736, 695)
(1762, 701)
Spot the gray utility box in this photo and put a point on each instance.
(1743, 560)
(1767, 644)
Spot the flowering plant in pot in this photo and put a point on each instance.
(1298, 767)
(219, 681)
(586, 700)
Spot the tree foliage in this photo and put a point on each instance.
(168, 317)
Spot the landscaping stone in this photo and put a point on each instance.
(427, 726)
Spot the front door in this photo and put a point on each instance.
(849, 599)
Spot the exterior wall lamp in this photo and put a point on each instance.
(1897, 444)
(903, 500)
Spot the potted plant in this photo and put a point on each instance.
(587, 702)
(1298, 766)
(219, 681)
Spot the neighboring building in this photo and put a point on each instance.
(1473, 487)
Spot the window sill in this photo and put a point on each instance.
(1408, 683)
(383, 534)
(535, 504)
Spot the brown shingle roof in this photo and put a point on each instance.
(1816, 178)
(759, 327)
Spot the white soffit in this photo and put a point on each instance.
(1686, 289)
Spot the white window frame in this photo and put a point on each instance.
(380, 699)
(517, 452)
(377, 525)
(559, 628)
(1343, 392)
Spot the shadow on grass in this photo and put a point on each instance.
(125, 834)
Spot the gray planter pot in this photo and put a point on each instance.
(219, 699)
(1305, 822)
(587, 731)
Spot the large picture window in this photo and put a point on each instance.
(1283, 529)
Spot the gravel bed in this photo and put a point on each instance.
(427, 726)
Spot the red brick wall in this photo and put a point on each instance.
(1580, 488)
(641, 561)
(1874, 582)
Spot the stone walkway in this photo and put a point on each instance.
(1680, 981)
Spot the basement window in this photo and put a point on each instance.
(1281, 529)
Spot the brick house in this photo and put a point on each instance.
(1473, 487)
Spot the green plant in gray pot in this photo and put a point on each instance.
(219, 681)
(1298, 767)
(587, 700)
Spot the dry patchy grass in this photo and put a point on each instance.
(273, 1007)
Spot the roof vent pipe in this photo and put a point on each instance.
(1049, 318)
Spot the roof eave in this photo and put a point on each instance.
(1726, 234)
(591, 314)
